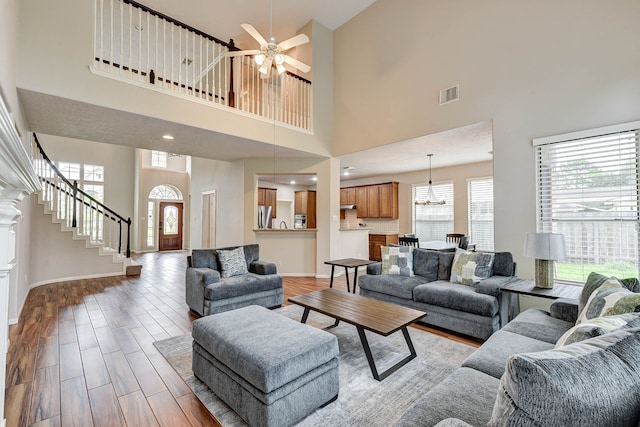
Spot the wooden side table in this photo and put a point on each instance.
(528, 287)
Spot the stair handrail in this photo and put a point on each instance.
(119, 218)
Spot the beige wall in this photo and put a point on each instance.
(534, 68)
(227, 180)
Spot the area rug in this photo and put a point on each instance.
(362, 400)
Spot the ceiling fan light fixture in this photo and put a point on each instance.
(279, 59)
(431, 198)
(259, 58)
(280, 68)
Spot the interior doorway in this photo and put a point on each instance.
(170, 226)
(209, 219)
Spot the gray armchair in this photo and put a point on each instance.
(208, 292)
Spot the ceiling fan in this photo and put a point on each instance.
(271, 52)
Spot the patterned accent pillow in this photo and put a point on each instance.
(610, 299)
(598, 326)
(397, 260)
(233, 262)
(471, 267)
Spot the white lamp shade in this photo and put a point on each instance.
(549, 246)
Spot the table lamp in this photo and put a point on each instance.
(546, 248)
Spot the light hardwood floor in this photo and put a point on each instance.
(82, 352)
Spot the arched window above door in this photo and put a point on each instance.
(165, 192)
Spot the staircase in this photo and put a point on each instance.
(84, 219)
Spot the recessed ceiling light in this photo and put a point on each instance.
(315, 178)
(167, 136)
(292, 182)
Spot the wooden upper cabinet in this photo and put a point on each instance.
(388, 200)
(348, 196)
(373, 201)
(261, 196)
(305, 204)
(361, 202)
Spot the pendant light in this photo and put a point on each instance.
(431, 198)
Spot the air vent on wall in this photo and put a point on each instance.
(450, 94)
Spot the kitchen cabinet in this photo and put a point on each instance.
(388, 194)
(377, 241)
(348, 196)
(305, 204)
(268, 197)
(361, 202)
(372, 201)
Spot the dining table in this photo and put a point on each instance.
(439, 245)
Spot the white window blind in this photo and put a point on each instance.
(588, 191)
(433, 222)
(480, 192)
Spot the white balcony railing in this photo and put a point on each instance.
(137, 43)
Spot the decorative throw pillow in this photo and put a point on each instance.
(470, 267)
(397, 260)
(589, 383)
(610, 299)
(233, 262)
(425, 264)
(598, 326)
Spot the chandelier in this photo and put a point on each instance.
(431, 198)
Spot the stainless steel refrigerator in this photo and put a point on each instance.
(264, 216)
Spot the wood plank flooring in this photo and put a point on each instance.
(82, 352)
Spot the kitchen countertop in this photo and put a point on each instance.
(355, 229)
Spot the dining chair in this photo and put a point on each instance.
(409, 235)
(464, 244)
(454, 237)
(408, 241)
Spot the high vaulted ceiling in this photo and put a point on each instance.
(222, 19)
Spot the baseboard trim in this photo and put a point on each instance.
(296, 274)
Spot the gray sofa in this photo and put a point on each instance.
(208, 292)
(471, 310)
(518, 377)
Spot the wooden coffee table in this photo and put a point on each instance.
(380, 317)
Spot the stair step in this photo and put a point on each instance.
(134, 270)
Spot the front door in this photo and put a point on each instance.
(170, 227)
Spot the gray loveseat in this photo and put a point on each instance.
(209, 292)
(471, 310)
(518, 377)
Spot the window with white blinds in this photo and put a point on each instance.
(433, 222)
(480, 192)
(588, 190)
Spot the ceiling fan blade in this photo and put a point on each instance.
(293, 42)
(254, 33)
(267, 67)
(299, 65)
(242, 52)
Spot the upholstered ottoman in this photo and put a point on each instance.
(271, 370)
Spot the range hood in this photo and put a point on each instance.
(347, 207)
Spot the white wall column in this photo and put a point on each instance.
(17, 179)
(8, 214)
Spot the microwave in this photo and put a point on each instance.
(299, 221)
